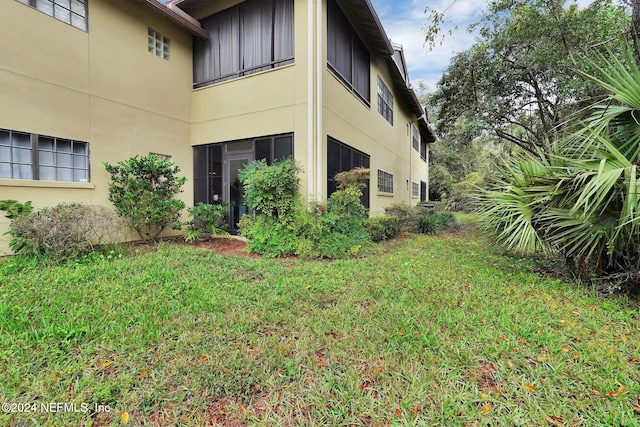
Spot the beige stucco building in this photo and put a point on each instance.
(213, 84)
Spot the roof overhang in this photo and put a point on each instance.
(176, 15)
(367, 21)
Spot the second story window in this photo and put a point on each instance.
(72, 12)
(253, 36)
(346, 54)
(158, 44)
(385, 101)
(415, 136)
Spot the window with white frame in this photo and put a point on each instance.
(385, 101)
(415, 189)
(385, 182)
(30, 156)
(73, 12)
(158, 44)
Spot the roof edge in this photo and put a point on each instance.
(175, 14)
(376, 20)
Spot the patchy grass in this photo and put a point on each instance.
(431, 331)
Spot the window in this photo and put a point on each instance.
(423, 148)
(416, 138)
(423, 191)
(346, 54)
(274, 148)
(415, 190)
(30, 156)
(253, 36)
(208, 161)
(385, 182)
(385, 101)
(158, 44)
(340, 158)
(73, 12)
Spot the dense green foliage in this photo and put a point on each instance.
(65, 231)
(143, 190)
(334, 231)
(207, 219)
(520, 81)
(272, 190)
(15, 209)
(582, 198)
(430, 331)
(382, 227)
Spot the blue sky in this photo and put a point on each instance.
(404, 22)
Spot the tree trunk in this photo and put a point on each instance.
(635, 26)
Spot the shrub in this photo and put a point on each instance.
(14, 209)
(209, 218)
(65, 231)
(382, 227)
(272, 190)
(408, 216)
(329, 236)
(143, 191)
(436, 223)
(354, 178)
(282, 227)
(268, 236)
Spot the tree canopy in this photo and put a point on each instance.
(521, 80)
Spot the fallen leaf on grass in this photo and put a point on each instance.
(415, 410)
(530, 387)
(565, 349)
(107, 363)
(398, 412)
(636, 408)
(543, 357)
(632, 360)
(203, 358)
(124, 417)
(615, 393)
(322, 363)
(142, 373)
(486, 408)
(556, 421)
(484, 396)
(576, 357)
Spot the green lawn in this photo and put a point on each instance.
(429, 331)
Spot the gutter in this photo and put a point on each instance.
(319, 77)
(310, 122)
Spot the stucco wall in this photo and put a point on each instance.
(100, 86)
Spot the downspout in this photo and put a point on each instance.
(310, 118)
(319, 77)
